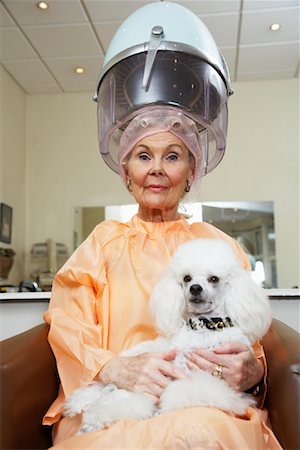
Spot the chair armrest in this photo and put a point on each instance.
(282, 349)
(28, 385)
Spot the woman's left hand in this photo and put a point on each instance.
(234, 360)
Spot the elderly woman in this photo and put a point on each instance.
(157, 123)
(99, 305)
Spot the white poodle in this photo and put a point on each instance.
(204, 299)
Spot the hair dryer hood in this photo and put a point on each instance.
(163, 55)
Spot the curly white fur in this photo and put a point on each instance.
(204, 279)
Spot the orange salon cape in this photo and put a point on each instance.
(99, 307)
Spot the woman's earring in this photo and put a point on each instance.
(188, 186)
(128, 184)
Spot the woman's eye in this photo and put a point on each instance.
(172, 157)
(187, 278)
(144, 156)
(213, 279)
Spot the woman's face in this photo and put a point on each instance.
(158, 169)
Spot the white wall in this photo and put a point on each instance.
(261, 163)
(13, 165)
(64, 166)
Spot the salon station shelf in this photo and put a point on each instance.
(283, 294)
(25, 297)
(44, 297)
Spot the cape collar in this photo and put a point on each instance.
(159, 228)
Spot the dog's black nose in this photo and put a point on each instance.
(196, 289)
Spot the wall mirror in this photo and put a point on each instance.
(250, 223)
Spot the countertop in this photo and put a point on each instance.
(23, 297)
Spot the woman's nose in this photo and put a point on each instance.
(157, 167)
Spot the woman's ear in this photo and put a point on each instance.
(125, 168)
(192, 167)
(128, 184)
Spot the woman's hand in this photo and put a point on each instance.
(240, 369)
(148, 373)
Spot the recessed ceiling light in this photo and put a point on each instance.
(275, 26)
(42, 5)
(79, 70)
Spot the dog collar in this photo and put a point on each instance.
(213, 323)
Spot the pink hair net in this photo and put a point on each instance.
(156, 121)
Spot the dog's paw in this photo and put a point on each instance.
(113, 405)
(90, 428)
(82, 398)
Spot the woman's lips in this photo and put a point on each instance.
(156, 187)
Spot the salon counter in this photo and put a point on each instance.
(25, 297)
(20, 311)
(23, 310)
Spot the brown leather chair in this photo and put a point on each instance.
(29, 383)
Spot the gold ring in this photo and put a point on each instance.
(218, 372)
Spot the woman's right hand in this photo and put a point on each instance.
(148, 373)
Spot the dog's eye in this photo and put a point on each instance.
(213, 279)
(187, 278)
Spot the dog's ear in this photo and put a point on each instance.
(247, 305)
(168, 305)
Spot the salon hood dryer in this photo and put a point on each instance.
(163, 55)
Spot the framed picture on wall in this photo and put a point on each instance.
(5, 223)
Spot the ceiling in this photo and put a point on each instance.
(40, 49)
